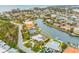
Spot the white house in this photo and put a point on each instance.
(53, 45)
(53, 15)
(3, 47)
(12, 50)
(38, 37)
(76, 30)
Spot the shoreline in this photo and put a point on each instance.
(71, 34)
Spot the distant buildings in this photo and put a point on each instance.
(72, 17)
(62, 18)
(49, 20)
(53, 15)
(70, 21)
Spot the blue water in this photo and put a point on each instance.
(10, 7)
(54, 33)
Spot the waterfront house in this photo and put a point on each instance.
(53, 45)
(65, 27)
(72, 17)
(76, 30)
(70, 21)
(49, 20)
(53, 15)
(38, 37)
(30, 24)
(62, 18)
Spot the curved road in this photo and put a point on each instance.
(20, 41)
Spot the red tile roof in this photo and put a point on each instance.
(71, 50)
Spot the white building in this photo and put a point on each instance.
(53, 15)
(53, 45)
(3, 47)
(38, 37)
(12, 50)
(76, 31)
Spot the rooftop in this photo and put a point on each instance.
(12, 50)
(3, 47)
(38, 37)
(53, 45)
(71, 50)
(29, 24)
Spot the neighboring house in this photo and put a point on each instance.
(53, 45)
(12, 50)
(76, 31)
(53, 15)
(30, 24)
(38, 37)
(3, 47)
(6, 47)
(72, 17)
(70, 21)
(62, 18)
(71, 50)
(49, 20)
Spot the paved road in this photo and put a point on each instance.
(20, 41)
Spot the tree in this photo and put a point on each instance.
(38, 46)
(28, 44)
(63, 46)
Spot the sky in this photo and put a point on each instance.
(10, 7)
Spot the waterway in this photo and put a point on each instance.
(54, 33)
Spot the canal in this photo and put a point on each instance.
(54, 33)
